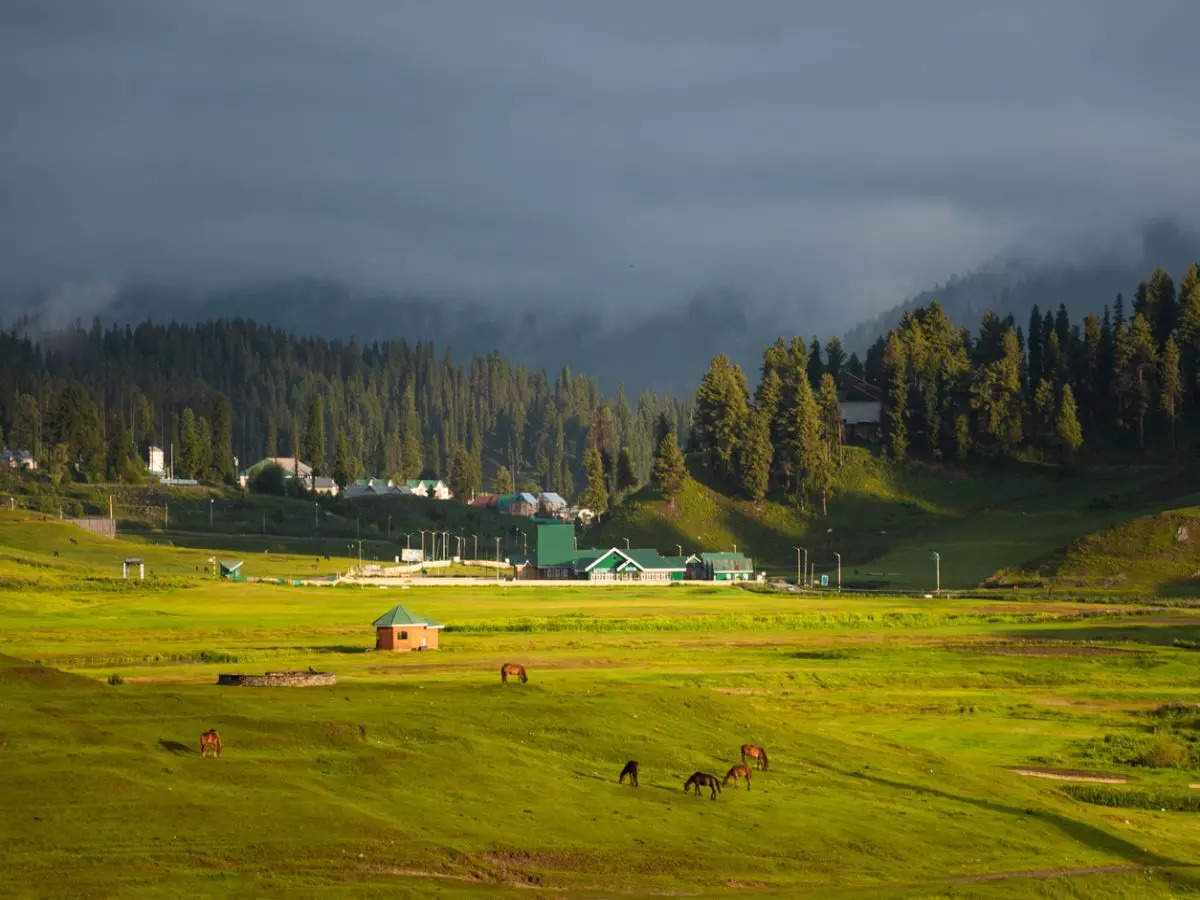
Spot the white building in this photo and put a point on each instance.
(156, 462)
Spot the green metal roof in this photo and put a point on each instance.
(555, 545)
(227, 566)
(651, 559)
(398, 615)
(728, 562)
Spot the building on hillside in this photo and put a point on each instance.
(324, 485)
(519, 504)
(156, 461)
(231, 571)
(399, 629)
(483, 501)
(558, 557)
(861, 407)
(433, 488)
(292, 468)
(551, 504)
(727, 567)
(18, 459)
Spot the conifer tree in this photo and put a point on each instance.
(1045, 415)
(895, 427)
(831, 417)
(754, 456)
(272, 445)
(460, 481)
(626, 477)
(835, 358)
(1170, 385)
(669, 471)
(815, 368)
(313, 445)
(1067, 432)
(721, 409)
(343, 466)
(502, 481)
(996, 398)
(595, 495)
(188, 461)
(1138, 372)
(222, 448)
(410, 436)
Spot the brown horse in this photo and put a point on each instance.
(513, 669)
(758, 754)
(737, 772)
(631, 769)
(700, 779)
(210, 740)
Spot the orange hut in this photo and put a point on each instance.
(399, 629)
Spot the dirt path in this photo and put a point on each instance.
(1069, 775)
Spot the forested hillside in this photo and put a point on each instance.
(88, 402)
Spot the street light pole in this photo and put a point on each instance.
(799, 577)
(626, 543)
(316, 515)
(211, 501)
(389, 525)
(497, 550)
(839, 561)
(937, 571)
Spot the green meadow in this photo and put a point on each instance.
(893, 726)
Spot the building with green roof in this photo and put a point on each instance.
(727, 566)
(400, 629)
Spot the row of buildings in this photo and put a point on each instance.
(558, 557)
(18, 459)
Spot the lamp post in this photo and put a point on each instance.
(497, 551)
(211, 502)
(679, 549)
(839, 562)
(524, 544)
(316, 515)
(937, 570)
(445, 545)
(800, 578)
(408, 540)
(477, 546)
(626, 543)
(389, 534)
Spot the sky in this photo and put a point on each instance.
(825, 160)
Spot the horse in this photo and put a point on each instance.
(737, 772)
(512, 669)
(758, 754)
(210, 739)
(631, 769)
(699, 779)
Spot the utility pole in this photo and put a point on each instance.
(446, 544)
(679, 549)
(937, 570)
(626, 540)
(839, 562)
(110, 507)
(497, 552)
(799, 577)
(476, 546)
(211, 503)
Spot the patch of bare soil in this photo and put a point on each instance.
(1069, 774)
(1048, 873)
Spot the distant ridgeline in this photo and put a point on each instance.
(1050, 387)
(90, 402)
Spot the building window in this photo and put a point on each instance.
(404, 635)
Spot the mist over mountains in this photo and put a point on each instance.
(667, 347)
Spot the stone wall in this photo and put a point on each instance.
(280, 679)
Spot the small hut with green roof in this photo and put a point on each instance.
(399, 629)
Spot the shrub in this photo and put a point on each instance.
(114, 679)
(1165, 752)
(1107, 795)
(213, 656)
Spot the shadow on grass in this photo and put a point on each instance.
(1081, 832)
(342, 648)
(175, 747)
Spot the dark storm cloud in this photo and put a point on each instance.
(826, 158)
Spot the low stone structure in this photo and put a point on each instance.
(280, 679)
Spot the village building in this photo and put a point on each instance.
(292, 468)
(399, 629)
(434, 488)
(552, 505)
(156, 462)
(230, 571)
(726, 567)
(861, 406)
(520, 504)
(483, 501)
(18, 459)
(558, 557)
(324, 485)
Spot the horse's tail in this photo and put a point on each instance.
(504, 673)
(524, 677)
(763, 754)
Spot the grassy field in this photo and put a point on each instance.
(885, 519)
(891, 724)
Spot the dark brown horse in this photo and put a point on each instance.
(512, 669)
(631, 769)
(738, 772)
(703, 779)
(210, 740)
(758, 754)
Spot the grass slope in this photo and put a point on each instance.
(890, 723)
(885, 519)
(1158, 554)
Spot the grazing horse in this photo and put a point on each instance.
(737, 772)
(758, 754)
(699, 779)
(514, 670)
(210, 739)
(631, 769)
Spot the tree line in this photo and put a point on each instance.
(1054, 389)
(88, 402)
